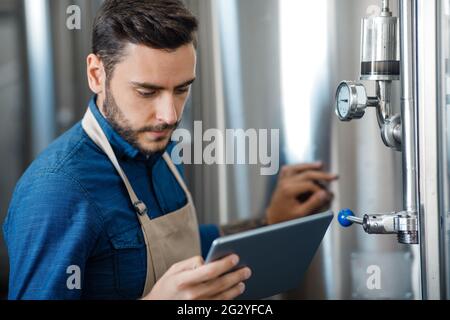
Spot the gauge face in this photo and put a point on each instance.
(343, 101)
(351, 101)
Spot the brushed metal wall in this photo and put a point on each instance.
(258, 97)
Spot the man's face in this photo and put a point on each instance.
(145, 97)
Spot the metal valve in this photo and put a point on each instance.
(403, 224)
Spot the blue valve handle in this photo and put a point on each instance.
(342, 218)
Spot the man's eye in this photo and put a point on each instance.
(182, 90)
(146, 94)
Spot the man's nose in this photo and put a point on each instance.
(166, 111)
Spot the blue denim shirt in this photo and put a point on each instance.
(71, 210)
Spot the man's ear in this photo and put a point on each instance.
(95, 73)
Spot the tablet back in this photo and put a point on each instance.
(278, 255)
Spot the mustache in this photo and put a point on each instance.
(159, 128)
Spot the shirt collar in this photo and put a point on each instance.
(121, 147)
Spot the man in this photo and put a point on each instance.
(103, 213)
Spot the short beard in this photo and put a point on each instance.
(121, 125)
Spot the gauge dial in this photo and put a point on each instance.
(351, 101)
(343, 102)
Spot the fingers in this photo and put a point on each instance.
(222, 284)
(209, 271)
(315, 176)
(326, 206)
(306, 172)
(331, 195)
(190, 264)
(231, 293)
(317, 200)
(291, 170)
(307, 182)
(297, 188)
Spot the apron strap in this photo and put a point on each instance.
(95, 132)
(177, 175)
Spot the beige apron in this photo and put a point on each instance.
(169, 239)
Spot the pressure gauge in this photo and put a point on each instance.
(351, 101)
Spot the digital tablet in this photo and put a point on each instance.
(278, 255)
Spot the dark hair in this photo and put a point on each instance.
(159, 24)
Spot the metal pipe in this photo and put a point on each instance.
(431, 228)
(408, 58)
(390, 123)
(355, 220)
(385, 9)
(398, 133)
(384, 111)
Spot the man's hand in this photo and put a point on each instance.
(301, 191)
(194, 280)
